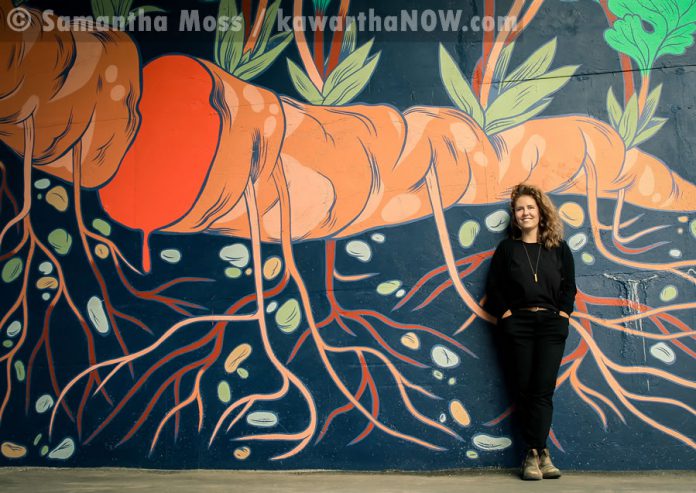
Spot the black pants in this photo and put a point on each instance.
(534, 345)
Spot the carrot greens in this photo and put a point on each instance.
(235, 54)
(646, 30)
(515, 97)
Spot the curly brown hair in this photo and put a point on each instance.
(550, 225)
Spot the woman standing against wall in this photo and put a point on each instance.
(531, 290)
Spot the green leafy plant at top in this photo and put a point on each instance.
(633, 126)
(120, 8)
(321, 5)
(346, 81)
(672, 24)
(518, 97)
(229, 41)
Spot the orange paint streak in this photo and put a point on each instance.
(592, 189)
(77, 199)
(443, 236)
(576, 385)
(193, 396)
(500, 42)
(141, 381)
(29, 135)
(439, 270)
(501, 417)
(253, 34)
(375, 405)
(347, 407)
(337, 38)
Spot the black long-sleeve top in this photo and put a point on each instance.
(511, 278)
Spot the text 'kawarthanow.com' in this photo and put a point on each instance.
(405, 21)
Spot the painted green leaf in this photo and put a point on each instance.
(496, 126)
(650, 129)
(228, 47)
(501, 65)
(353, 62)
(122, 6)
(649, 109)
(147, 9)
(500, 70)
(303, 85)
(266, 29)
(629, 121)
(680, 38)
(352, 85)
(533, 67)
(289, 316)
(256, 66)
(614, 109)
(524, 97)
(621, 38)
(350, 40)
(12, 269)
(103, 8)
(60, 240)
(670, 29)
(229, 43)
(458, 88)
(320, 5)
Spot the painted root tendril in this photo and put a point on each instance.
(404, 167)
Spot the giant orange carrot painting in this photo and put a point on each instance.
(254, 249)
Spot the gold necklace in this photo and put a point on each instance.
(534, 270)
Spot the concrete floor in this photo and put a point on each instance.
(155, 481)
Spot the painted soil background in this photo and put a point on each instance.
(264, 249)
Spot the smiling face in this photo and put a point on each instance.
(527, 214)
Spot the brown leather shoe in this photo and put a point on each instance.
(530, 466)
(548, 470)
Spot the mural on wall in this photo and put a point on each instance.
(200, 270)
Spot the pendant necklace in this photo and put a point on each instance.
(534, 270)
